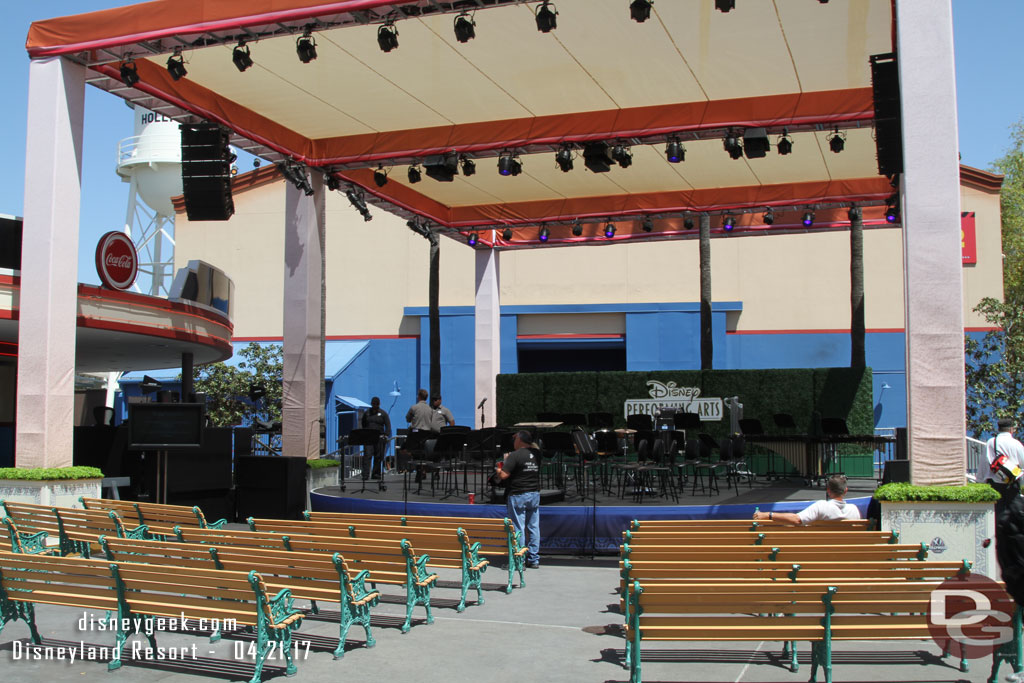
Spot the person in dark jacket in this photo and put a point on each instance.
(373, 457)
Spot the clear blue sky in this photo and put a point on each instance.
(989, 58)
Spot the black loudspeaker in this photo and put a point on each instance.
(206, 172)
(896, 471)
(270, 486)
(885, 86)
(901, 443)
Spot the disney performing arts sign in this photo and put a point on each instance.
(683, 399)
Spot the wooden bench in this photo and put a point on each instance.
(496, 535)
(740, 524)
(158, 517)
(389, 562)
(309, 576)
(447, 548)
(817, 612)
(30, 544)
(775, 536)
(787, 552)
(76, 530)
(138, 593)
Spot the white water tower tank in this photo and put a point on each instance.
(153, 157)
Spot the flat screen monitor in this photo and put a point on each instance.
(165, 426)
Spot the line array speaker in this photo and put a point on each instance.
(206, 172)
(885, 86)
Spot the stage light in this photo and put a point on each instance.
(468, 166)
(563, 157)
(769, 216)
(546, 17)
(444, 168)
(674, 150)
(784, 145)
(414, 174)
(256, 162)
(333, 183)
(892, 210)
(506, 234)
(732, 145)
(688, 223)
(176, 65)
(725, 5)
(387, 36)
(358, 202)
(509, 165)
(854, 214)
(465, 28)
(622, 155)
(577, 228)
(473, 237)
(305, 46)
(836, 141)
(380, 176)
(647, 224)
(597, 157)
(129, 72)
(640, 10)
(609, 230)
(544, 234)
(728, 223)
(240, 56)
(296, 174)
(808, 219)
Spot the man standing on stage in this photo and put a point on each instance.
(420, 417)
(521, 474)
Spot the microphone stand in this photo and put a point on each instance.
(483, 418)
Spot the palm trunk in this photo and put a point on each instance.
(435, 315)
(706, 342)
(857, 352)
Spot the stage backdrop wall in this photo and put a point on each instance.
(806, 394)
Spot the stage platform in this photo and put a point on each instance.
(586, 526)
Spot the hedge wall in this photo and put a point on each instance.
(806, 394)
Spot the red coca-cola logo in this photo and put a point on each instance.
(117, 262)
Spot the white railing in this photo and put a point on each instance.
(147, 148)
(975, 457)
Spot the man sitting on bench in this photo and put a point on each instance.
(833, 507)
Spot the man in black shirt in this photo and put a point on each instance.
(521, 474)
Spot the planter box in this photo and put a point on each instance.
(55, 492)
(319, 478)
(952, 531)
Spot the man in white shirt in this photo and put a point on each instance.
(1007, 451)
(833, 507)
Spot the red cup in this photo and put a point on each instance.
(472, 498)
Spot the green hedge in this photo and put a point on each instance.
(806, 394)
(321, 464)
(50, 473)
(971, 493)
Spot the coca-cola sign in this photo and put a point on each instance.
(117, 262)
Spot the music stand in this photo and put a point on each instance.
(450, 446)
(483, 443)
(831, 428)
(784, 421)
(370, 438)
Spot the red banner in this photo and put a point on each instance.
(968, 243)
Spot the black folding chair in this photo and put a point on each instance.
(556, 449)
(374, 445)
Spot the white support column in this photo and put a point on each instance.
(488, 334)
(49, 263)
(301, 410)
(931, 243)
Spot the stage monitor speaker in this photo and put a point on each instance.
(270, 486)
(885, 86)
(896, 471)
(206, 172)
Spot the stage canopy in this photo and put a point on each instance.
(612, 91)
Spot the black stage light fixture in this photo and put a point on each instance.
(622, 155)
(240, 56)
(547, 17)
(414, 174)
(674, 150)
(509, 165)
(609, 230)
(544, 234)
(854, 214)
(577, 228)
(640, 10)
(468, 166)
(176, 65)
(688, 223)
(808, 219)
(305, 46)
(725, 5)
(473, 237)
(506, 234)
(597, 157)
(784, 145)
(647, 224)
(358, 201)
(836, 141)
(728, 223)
(563, 157)
(443, 168)
(296, 174)
(465, 28)
(769, 216)
(129, 72)
(333, 183)
(387, 36)
(731, 143)
(892, 209)
(755, 143)
(380, 176)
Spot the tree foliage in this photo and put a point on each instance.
(1011, 165)
(227, 387)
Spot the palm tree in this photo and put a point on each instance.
(706, 342)
(857, 353)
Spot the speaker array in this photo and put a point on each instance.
(206, 172)
(885, 86)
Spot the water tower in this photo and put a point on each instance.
(150, 161)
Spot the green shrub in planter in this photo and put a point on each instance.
(971, 493)
(50, 473)
(321, 464)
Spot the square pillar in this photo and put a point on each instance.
(930, 191)
(49, 264)
(488, 335)
(301, 411)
